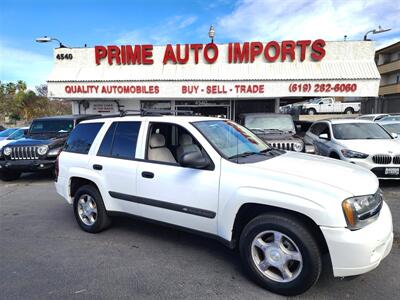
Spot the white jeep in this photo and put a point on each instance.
(283, 210)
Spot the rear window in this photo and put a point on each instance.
(82, 137)
(44, 126)
(120, 140)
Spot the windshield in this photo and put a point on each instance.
(390, 118)
(7, 132)
(230, 139)
(51, 126)
(16, 135)
(280, 122)
(392, 128)
(359, 131)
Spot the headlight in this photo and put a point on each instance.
(7, 151)
(54, 152)
(362, 210)
(42, 150)
(353, 154)
(298, 146)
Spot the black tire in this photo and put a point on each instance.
(349, 111)
(311, 111)
(334, 155)
(102, 219)
(9, 176)
(310, 271)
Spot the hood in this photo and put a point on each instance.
(40, 140)
(341, 175)
(389, 146)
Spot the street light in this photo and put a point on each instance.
(47, 39)
(375, 31)
(211, 33)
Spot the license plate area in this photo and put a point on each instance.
(392, 171)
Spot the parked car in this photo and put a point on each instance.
(278, 130)
(330, 106)
(16, 135)
(372, 117)
(360, 142)
(282, 209)
(39, 149)
(393, 127)
(6, 133)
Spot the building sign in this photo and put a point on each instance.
(248, 70)
(246, 52)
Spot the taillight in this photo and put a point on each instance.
(56, 168)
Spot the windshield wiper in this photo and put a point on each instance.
(274, 129)
(248, 153)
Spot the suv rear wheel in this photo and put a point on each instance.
(9, 176)
(89, 209)
(280, 254)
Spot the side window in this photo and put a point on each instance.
(167, 142)
(106, 144)
(325, 129)
(81, 138)
(120, 140)
(315, 129)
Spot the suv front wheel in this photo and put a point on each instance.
(89, 209)
(280, 254)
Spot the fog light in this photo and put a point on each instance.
(41, 165)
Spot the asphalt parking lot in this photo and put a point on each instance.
(44, 254)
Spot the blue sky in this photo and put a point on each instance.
(159, 22)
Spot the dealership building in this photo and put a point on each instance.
(212, 79)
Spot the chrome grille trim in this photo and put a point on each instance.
(382, 159)
(283, 145)
(24, 152)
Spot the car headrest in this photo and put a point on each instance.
(157, 140)
(185, 139)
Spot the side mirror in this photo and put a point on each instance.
(394, 135)
(320, 103)
(194, 159)
(324, 136)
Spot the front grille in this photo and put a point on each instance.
(24, 152)
(382, 159)
(396, 160)
(282, 145)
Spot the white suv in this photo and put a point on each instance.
(283, 210)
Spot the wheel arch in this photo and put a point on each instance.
(75, 182)
(249, 211)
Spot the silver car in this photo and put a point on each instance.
(361, 142)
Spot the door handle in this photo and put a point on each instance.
(97, 167)
(146, 174)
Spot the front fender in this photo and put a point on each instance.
(291, 202)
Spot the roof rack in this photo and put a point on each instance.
(153, 112)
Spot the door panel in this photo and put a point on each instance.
(181, 196)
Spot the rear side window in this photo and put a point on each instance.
(82, 137)
(120, 140)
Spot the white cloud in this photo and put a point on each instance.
(167, 32)
(19, 64)
(308, 19)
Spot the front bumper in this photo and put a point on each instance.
(378, 170)
(26, 165)
(360, 251)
